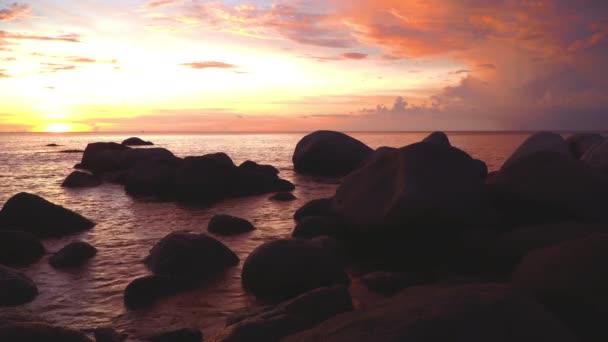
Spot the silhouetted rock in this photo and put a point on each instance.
(328, 153)
(316, 207)
(180, 335)
(313, 226)
(597, 156)
(52, 145)
(549, 187)
(571, 278)
(102, 157)
(130, 157)
(205, 179)
(390, 283)
(136, 142)
(115, 177)
(73, 255)
(254, 167)
(145, 291)
(34, 214)
(16, 288)
(229, 225)
(300, 313)
(71, 151)
(438, 138)
(285, 268)
(152, 177)
(581, 142)
(254, 179)
(539, 142)
(79, 179)
(33, 332)
(433, 313)
(19, 248)
(108, 335)
(190, 256)
(283, 197)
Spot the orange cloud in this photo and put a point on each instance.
(14, 11)
(209, 65)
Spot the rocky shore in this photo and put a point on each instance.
(454, 252)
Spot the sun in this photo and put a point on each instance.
(58, 128)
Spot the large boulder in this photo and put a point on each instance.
(329, 153)
(581, 142)
(539, 142)
(19, 248)
(312, 226)
(597, 156)
(130, 157)
(145, 291)
(275, 322)
(16, 288)
(489, 312)
(254, 179)
(102, 157)
(316, 207)
(134, 141)
(73, 255)
(285, 268)
(207, 179)
(571, 278)
(549, 187)
(229, 225)
(78, 179)
(190, 256)
(438, 138)
(34, 332)
(154, 177)
(34, 214)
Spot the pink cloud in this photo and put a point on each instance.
(14, 11)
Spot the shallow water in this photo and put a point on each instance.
(127, 228)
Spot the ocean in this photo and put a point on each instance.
(127, 228)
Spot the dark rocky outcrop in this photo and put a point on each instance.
(316, 207)
(34, 214)
(78, 179)
(136, 142)
(107, 334)
(180, 335)
(283, 197)
(313, 226)
(19, 248)
(73, 255)
(145, 291)
(597, 156)
(328, 153)
(275, 322)
(285, 268)
(581, 142)
(438, 138)
(34, 332)
(16, 288)
(102, 157)
(52, 145)
(571, 278)
(488, 312)
(229, 225)
(390, 283)
(155, 177)
(539, 142)
(189, 256)
(71, 151)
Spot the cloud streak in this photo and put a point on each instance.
(209, 65)
(71, 38)
(14, 11)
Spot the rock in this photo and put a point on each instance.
(390, 283)
(33, 214)
(130, 157)
(71, 151)
(252, 166)
(145, 291)
(73, 255)
(539, 142)
(285, 268)
(34, 332)
(570, 278)
(489, 312)
(190, 256)
(152, 177)
(328, 153)
(16, 288)
(102, 157)
(316, 207)
(114, 177)
(300, 313)
(312, 226)
(136, 142)
(229, 225)
(254, 179)
(79, 179)
(180, 335)
(597, 156)
(108, 335)
(19, 248)
(549, 187)
(438, 138)
(52, 145)
(581, 142)
(283, 197)
(205, 179)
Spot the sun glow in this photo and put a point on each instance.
(62, 128)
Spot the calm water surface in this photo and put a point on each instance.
(127, 228)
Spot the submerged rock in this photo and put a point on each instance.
(136, 142)
(145, 291)
(19, 248)
(180, 335)
(285, 268)
(283, 197)
(316, 207)
(229, 225)
(79, 179)
(34, 332)
(539, 142)
(488, 312)
(329, 153)
(16, 288)
(581, 142)
(34, 214)
(73, 255)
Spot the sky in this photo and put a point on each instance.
(294, 65)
